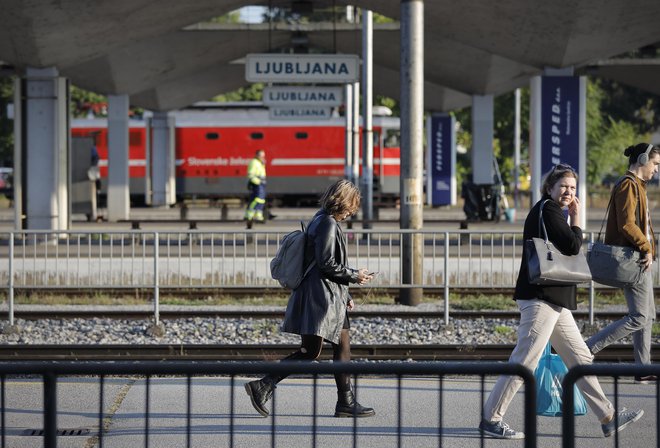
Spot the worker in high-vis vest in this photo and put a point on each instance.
(256, 174)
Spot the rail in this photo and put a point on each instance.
(611, 370)
(188, 260)
(51, 372)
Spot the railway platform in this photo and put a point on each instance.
(216, 418)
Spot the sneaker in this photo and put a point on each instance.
(499, 430)
(625, 418)
(648, 379)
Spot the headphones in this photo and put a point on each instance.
(643, 158)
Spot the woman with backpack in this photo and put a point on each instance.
(318, 307)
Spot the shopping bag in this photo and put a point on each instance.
(549, 376)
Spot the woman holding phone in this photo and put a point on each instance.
(318, 308)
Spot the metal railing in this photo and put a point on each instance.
(52, 372)
(188, 260)
(603, 370)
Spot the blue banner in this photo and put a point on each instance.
(440, 160)
(560, 115)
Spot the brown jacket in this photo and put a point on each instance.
(622, 227)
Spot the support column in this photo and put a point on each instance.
(356, 133)
(348, 162)
(162, 160)
(41, 151)
(482, 139)
(118, 189)
(412, 154)
(367, 132)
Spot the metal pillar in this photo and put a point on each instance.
(516, 152)
(348, 162)
(412, 154)
(367, 131)
(163, 182)
(482, 139)
(118, 188)
(356, 133)
(41, 151)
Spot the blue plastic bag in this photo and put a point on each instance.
(549, 376)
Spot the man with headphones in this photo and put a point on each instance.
(629, 224)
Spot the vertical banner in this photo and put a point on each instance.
(560, 121)
(441, 160)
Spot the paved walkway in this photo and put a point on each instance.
(211, 423)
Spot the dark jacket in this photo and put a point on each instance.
(318, 305)
(566, 239)
(623, 228)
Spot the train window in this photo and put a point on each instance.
(212, 136)
(257, 135)
(392, 138)
(301, 135)
(376, 138)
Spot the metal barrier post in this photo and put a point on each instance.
(156, 286)
(50, 409)
(10, 298)
(446, 275)
(592, 291)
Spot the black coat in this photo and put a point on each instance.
(566, 239)
(318, 305)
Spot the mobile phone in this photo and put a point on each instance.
(373, 273)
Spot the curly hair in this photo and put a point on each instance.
(341, 197)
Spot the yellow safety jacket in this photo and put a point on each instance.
(256, 171)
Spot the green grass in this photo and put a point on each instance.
(503, 330)
(468, 302)
(656, 330)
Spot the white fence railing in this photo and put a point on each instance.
(240, 259)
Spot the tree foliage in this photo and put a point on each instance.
(6, 125)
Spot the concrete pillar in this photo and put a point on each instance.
(118, 186)
(482, 139)
(412, 153)
(367, 132)
(163, 182)
(41, 150)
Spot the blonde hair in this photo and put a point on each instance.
(340, 198)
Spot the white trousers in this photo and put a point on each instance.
(541, 322)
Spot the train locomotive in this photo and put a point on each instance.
(214, 142)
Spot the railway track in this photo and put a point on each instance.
(259, 352)
(276, 314)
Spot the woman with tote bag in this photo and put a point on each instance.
(545, 313)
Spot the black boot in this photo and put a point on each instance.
(260, 392)
(348, 407)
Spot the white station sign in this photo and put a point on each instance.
(311, 68)
(300, 113)
(303, 96)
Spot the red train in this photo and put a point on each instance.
(213, 146)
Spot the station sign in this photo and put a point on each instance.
(560, 121)
(300, 113)
(303, 96)
(441, 160)
(309, 68)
